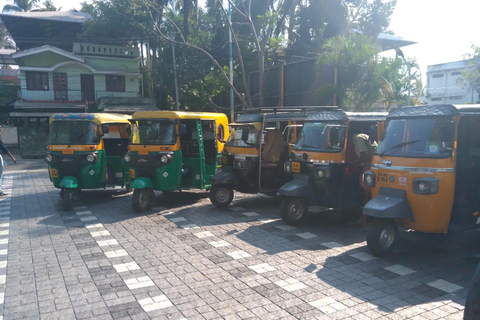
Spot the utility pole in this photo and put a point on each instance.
(230, 63)
(177, 103)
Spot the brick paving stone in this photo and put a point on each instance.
(187, 259)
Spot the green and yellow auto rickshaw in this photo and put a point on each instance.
(172, 151)
(86, 151)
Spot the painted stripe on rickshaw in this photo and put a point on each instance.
(412, 169)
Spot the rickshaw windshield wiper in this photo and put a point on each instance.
(406, 143)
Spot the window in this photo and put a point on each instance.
(437, 76)
(456, 97)
(115, 83)
(457, 73)
(436, 99)
(37, 80)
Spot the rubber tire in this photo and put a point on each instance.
(286, 210)
(141, 200)
(376, 231)
(221, 188)
(67, 199)
(472, 306)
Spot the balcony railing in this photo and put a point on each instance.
(70, 95)
(105, 50)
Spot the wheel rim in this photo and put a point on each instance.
(387, 236)
(222, 195)
(295, 210)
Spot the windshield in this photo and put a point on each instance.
(243, 136)
(422, 138)
(74, 132)
(322, 137)
(153, 132)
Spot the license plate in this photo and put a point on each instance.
(143, 152)
(382, 177)
(296, 167)
(53, 173)
(67, 151)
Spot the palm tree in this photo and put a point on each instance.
(20, 6)
(48, 6)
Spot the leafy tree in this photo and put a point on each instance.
(20, 6)
(471, 75)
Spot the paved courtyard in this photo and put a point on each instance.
(185, 259)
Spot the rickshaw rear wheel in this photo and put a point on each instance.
(141, 199)
(293, 210)
(221, 195)
(67, 199)
(382, 236)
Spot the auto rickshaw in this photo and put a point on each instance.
(320, 163)
(172, 151)
(424, 174)
(254, 155)
(86, 151)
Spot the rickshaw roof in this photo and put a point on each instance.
(434, 111)
(98, 118)
(269, 117)
(176, 115)
(367, 116)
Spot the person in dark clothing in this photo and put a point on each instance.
(4, 150)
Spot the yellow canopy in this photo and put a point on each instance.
(98, 118)
(177, 115)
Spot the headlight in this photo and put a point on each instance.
(127, 158)
(164, 159)
(288, 167)
(426, 185)
(90, 158)
(369, 178)
(48, 158)
(422, 186)
(320, 173)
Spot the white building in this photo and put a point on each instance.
(443, 87)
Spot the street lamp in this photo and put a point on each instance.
(400, 54)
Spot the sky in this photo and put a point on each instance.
(444, 30)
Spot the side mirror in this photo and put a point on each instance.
(105, 129)
(182, 128)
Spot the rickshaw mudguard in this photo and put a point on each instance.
(225, 176)
(298, 187)
(69, 182)
(142, 183)
(389, 203)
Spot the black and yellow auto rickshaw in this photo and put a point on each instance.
(86, 151)
(320, 163)
(254, 155)
(424, 174)
(173, 150)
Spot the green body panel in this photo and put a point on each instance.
(93, 176)
(118, 169)
(69, 182)
(142, 183)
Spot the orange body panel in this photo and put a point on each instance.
(431, 211)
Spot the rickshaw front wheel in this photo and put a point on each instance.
(382, 236)
(67, 199)
(293, 210)
(141, 199)
(221, 195)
